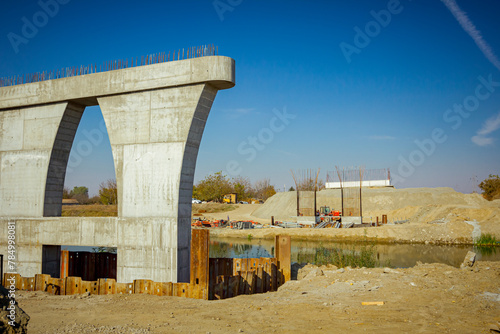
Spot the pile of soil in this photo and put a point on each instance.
(435, 215)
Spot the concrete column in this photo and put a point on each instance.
(27, 136)
(155, 136)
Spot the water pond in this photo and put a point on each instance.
(393, 255)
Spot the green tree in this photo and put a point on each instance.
(214, 187)
(491, 187)
(243, 188)
(66, 193)
(81, 194)
(196, 193)
(291, 188)
(108, 192)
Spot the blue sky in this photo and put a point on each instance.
(358, 99)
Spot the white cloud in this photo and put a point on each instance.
(492, 124)
(382, 138)
(482, 141)
(471, 29)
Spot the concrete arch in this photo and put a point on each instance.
(155, 116)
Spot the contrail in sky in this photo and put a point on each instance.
(470, 28)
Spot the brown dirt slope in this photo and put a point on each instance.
(435, 214)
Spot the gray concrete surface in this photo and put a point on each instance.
(155, 116)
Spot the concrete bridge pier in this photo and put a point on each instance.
(155, 116)
(155, 136)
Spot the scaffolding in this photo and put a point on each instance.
(351, 181)
(306, 186)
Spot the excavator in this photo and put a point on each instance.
(328, 217)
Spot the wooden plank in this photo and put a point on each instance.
(17, 280)
(274, 275)
(28, 283)
(234, 283)
(200, 263)
(182, 289)
(251, 282)
(107, 286)
(73, 285)
(125, 288)
(228, 267)
(213, 266)
(259, 280)
(158, 288)
(266, 277)
(143, 286)
(244, 265)
(91, 287)
(166, 288)
(236, 266)
(372, 303)
(64, 270)
(283, 253)
(253, 263)
(56, 286)
(41, 282)
(281, 278)
(221, 267)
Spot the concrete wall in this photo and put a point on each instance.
(366, 184)
(155, 116)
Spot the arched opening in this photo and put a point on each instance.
(81, 158)
(81, 163)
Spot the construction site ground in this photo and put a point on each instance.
(436, 215)
(428, 298)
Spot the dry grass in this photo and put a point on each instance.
(92, 210)
(213, 208)
(98, 210)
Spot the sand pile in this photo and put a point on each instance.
(419, 205)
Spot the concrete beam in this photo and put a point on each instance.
(218, 71)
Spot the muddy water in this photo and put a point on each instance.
(393, 255)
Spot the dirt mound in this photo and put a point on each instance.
(283, 205)
(435, 214)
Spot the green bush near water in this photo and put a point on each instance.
(486, 239)
(360, 256)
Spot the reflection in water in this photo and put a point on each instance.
(239, 250)
(393, 255)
